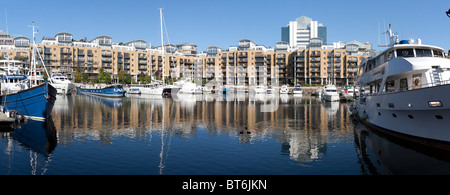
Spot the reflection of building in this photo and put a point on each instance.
(302, 129)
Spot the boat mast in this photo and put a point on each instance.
(33, 61)
(162, 43)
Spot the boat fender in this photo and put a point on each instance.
(364, 116)
(354, 112)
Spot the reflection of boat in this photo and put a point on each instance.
(284, 89)
(109, 101)
(39, 136)
(106, 91)
(330, 93)
(405, 92)
(381, 154)
(284, 98)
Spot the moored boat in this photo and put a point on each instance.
(348, 93)
(106, 91)
(297, 90)
(62, 84)
(35, 103)
(405, 92)
(259, 89)
(330, 93)
(284, 89)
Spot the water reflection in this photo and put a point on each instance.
(385, 155)
(301, 124)
(38, 137)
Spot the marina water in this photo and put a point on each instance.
(207, 134)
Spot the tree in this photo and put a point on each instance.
(21, 58)
(85, 78)
(103, 77)
(78, 76)
(142, 77)
(122, 76)
(128, 79)
(148, 79)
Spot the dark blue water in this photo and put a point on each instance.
(207, 135)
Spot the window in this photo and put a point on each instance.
(403, 84)
(417, 81)
(437, 53)
(390, 86)
(405, 53)
(423, 53)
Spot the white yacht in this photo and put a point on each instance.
(259, 89)
(297, 90)
(191, 88)
(62, 84)
(151, 89)
(12, 76)
(348, 93)
(405, 91)
(329, 93)
(284, 89)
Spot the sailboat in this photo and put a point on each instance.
(154, 88)
(32, 101)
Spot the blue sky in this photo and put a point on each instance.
(223, 23)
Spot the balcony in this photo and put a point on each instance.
(315, 53)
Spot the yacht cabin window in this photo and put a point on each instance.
(405, 53)
(437, 53)
(423, 53)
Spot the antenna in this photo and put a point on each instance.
(6, 18)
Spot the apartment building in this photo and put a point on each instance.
(245, 64)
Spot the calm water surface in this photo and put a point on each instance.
(207, 134)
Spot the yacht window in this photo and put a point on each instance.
(405, 53)
(423, 53)
(390, 55)
(417, 82)
(403, 84)
(437, 53)
(390, 86)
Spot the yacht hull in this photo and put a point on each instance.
(422, 114)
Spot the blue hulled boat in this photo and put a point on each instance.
(107, 91)
(34, 103)
(22, 94)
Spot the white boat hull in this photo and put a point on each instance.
(63, 88)
(152, 91)
(409, 113)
